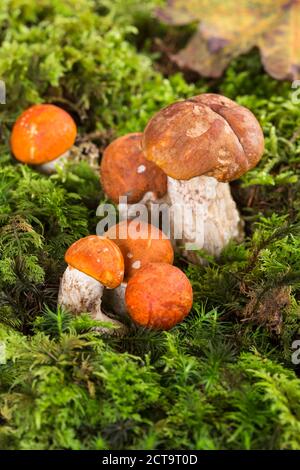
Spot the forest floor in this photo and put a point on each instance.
(227, 377)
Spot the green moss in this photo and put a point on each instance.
(222, 379)
(202, 392)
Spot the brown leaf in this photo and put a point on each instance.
(230, 28)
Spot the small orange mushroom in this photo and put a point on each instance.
(159, 296)
(93, 263)
(99, 258)
(126, 172)
(42, 134)
(140, 244)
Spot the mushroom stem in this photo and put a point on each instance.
(80, 293)
(50, 168)
(87, 152)
(114, 299)
(203, 216)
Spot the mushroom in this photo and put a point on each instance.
(43, 136)
(159, 296)
(93, 263)
(125, 172)
(140, 243)
(202, 144)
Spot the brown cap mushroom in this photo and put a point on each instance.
(140, 244)
(42, 133)
(202, 144)
(206, 135)
(159, 296)
(99, 258)
(126, 172)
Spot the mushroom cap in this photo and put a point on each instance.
(159, 296)
(150, 246)
(126, 172)
(42, 133)
(206, 135)
(99, 258)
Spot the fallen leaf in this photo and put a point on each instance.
(229, 28)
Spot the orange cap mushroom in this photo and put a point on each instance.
(206, 135)
(42, 133)
(159, 296)
(99, 258)
(140, 244)
(126, 172)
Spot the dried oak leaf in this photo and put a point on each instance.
(229, 28)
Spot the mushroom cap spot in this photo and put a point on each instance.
(136, 264)
(205, 135)
(99, 258)
(126, 172)
(140, 244)
(141, 169)
(159, 296)
(42, 133)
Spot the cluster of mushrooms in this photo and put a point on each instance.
(187, 155)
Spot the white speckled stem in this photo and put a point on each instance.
(210, 203)
(201, 215)
(79, 293)
(114, 299)
(50, 168)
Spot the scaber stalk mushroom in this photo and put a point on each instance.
(159, 296)
(202, 144)
(125, 172)
(42, 136)
(93, 263)
(140, 243)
